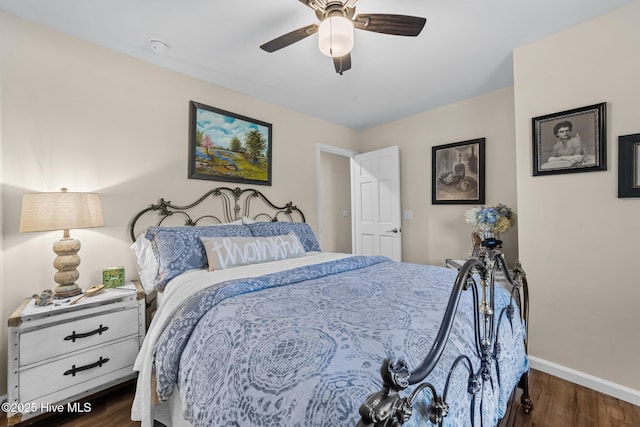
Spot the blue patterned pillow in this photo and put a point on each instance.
(179, 249)
(302, 230)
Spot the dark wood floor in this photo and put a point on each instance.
(557, 403)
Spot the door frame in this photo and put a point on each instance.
(320, 148)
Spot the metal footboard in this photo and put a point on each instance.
(388, 408)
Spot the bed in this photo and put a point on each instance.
(281, 333)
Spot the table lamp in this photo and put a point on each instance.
(62, 211)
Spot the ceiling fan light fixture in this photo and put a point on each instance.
(335, 36)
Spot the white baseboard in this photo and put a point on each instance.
(598, 384)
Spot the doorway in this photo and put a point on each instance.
(333, 181)
(358, 201)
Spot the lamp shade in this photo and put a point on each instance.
(60, 211)
(335, 36)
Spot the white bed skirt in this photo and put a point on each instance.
(169, 413)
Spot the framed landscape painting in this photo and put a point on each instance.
(457, 173)
(225, 146)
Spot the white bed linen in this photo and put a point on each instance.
(177, 291)
(170, 412)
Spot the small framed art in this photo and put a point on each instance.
(457, 173)
(629, 165)
(570, 141)
(225, 146)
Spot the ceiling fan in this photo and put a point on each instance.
(335, 32)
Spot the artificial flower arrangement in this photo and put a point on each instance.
(492, 219)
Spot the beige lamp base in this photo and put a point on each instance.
(67, 291)
(66, 263)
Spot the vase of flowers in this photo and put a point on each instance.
(491, 221)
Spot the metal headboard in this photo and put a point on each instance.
(230, 204)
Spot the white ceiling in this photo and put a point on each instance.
(465, 49)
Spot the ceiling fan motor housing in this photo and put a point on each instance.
(335, 8)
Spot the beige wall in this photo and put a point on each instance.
(90, 119)
(578, 241)
(437, 232)
(335, 198)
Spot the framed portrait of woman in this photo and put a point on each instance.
(570, 141)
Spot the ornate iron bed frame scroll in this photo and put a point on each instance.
(235, 203)
(386, 408)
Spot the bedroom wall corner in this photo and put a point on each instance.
(579, 242)
(437, 232)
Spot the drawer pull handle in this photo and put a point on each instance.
(73, 337)
(75, 370)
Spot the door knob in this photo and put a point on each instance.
(395, 230)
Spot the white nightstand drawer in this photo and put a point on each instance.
(76, 372)
(67, 337)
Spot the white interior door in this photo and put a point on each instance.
(376, 203)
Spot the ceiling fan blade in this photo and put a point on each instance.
(342, 63)
(289, 38)
(398, 25)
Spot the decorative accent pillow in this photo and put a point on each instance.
(302, 230)
(178, 249)
(228, 252)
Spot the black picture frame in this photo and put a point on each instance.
(225, 146)
(570, 141)
(458, 173)
(629, 165)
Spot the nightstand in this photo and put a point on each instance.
(454, 263)
(59, 354)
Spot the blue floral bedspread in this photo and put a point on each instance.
(303, 347)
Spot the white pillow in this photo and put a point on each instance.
(147, 263)
(229, 252)
(247, 220)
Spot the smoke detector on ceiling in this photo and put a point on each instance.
(158, 46)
